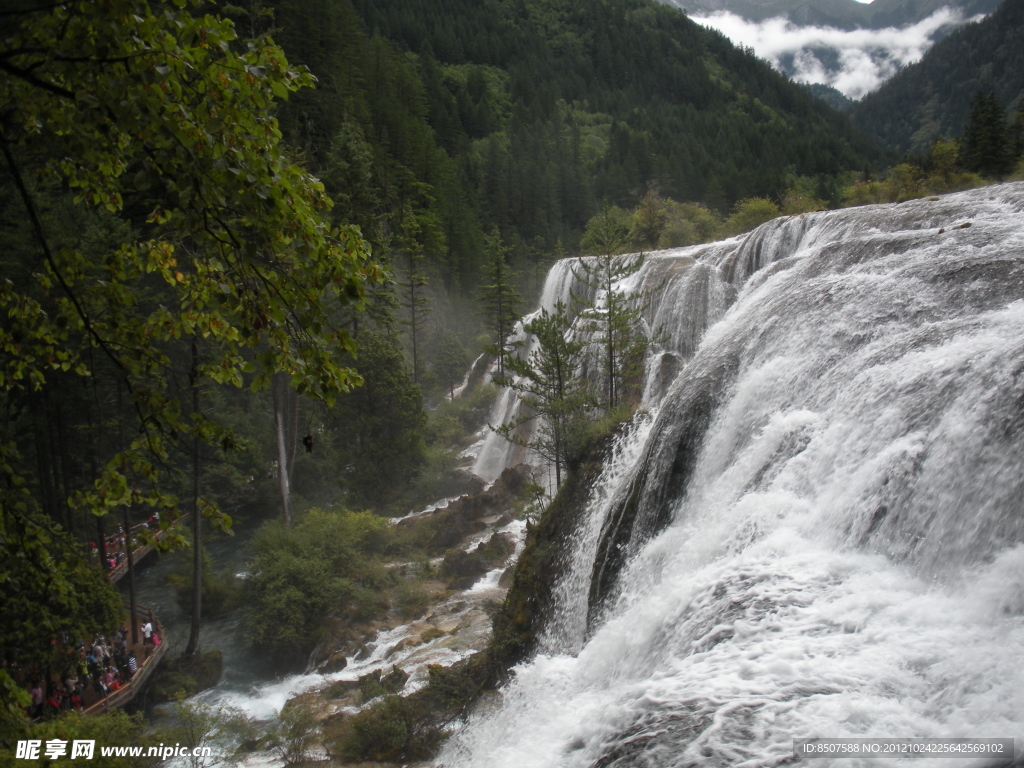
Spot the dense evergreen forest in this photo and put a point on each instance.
(529, 116)
(932, 99)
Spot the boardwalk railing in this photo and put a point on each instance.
(116, 573)
(130, 690)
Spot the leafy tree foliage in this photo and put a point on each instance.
(749, 214)
(300, 575)
(210, 261)
(687, 224)
(115, 727)
(51, 591)
(171, 104)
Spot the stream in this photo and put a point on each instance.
(450, 630)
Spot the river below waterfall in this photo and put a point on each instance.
(242, 669)
(450, 630)
(821, 532)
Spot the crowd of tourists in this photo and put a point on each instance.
(96, 670)
(114, 545)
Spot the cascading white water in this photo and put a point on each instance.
(567, 627)
(828, 539)
(674, 280)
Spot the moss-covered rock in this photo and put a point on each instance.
(518, 622)
(448, 527)
(378, 684)
(462, 569)
(409, 728)
(335, 663)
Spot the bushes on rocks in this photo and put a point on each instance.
(187, 676)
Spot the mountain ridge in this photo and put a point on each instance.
(931, 99)
(841, 14)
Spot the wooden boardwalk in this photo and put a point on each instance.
(139, 554)
(131, 689)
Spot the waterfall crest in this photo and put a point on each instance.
(818, 531)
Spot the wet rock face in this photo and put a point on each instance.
(337, 662)
(377, 683)
(531, 581)
(450, 526)
(462, 482)
(463, 569)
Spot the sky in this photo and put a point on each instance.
(855, 62)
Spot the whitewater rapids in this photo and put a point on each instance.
(829, 537)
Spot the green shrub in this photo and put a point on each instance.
(688, 224)
(328, 564)
(380, 733)
(294, 734)
(113, 728)
(187, 676)
(410, 598)
(748, 214)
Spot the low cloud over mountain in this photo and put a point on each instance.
(854, 61)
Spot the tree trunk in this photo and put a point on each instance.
(101, 540)
(293, 433)
(65, 464)
(279, 386)
(131, 577)
(101, 543)
(44, 459)
(197, 542)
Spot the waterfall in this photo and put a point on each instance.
(818, 530)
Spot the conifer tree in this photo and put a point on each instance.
(613, 316)
(499, 299)
(550, 388)
(983, 148)
(450, 361)
(417, 306)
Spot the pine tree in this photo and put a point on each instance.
(613, 317)
(983, 148)
(412, 295)
(450, 361)
(381, 423)
(499, 298)
(551, 389)
(416, 305)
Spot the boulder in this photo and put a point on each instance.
(337, 662)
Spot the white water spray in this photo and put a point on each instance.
(829, 540)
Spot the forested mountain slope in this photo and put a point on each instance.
(932, 99)
(528, 115)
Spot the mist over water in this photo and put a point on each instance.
(830, 537)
